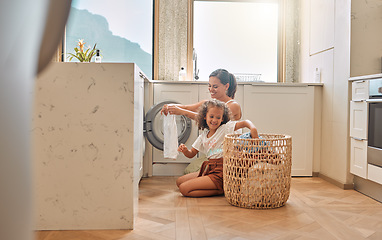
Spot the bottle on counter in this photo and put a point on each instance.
(182, 74)
(97, 58)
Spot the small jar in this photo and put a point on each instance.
(182, 74)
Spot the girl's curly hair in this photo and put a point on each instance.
(203, 109)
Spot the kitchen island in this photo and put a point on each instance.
(87, 145)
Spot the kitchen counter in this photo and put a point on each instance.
(366, 77)
(87, 145)
(242, 83)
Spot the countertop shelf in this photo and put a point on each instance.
(366, 77)
(242, 83)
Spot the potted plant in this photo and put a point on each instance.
(80, 54)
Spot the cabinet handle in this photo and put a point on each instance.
(358, 139)
(358, 100)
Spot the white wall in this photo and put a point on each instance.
(366, 38)
(325, 44)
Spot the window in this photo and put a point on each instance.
(240, 36)
(122, 30)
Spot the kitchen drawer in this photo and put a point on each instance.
(358, 119)
(360, 90)
(358, 157)
(374, 173)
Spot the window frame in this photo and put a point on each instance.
(281, 55)
(61, 52)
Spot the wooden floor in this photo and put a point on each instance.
(315, 210)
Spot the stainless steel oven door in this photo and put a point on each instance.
(374, 149)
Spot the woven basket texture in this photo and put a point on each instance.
(257, 172)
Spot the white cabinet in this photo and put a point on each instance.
(358, 154)
(358, 109)
(183, 93)
(374, 173)
(358, 119)
(358, 128)
(285, 110)
(205, 94)
(360, 90)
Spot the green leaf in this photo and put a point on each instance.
(85, 56)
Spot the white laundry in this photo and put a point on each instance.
(170, 135)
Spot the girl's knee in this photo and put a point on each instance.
(184, 191)
(179, 181)
(185, 178)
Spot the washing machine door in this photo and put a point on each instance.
(153, 126)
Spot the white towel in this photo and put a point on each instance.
(170, 135)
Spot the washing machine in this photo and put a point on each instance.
(168, 93)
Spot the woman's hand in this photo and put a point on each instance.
(174, 109)
(164, 110)
(189, 111)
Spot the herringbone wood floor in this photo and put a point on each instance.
(315, 210)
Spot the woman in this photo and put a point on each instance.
(222, 86)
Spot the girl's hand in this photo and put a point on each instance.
(188, 153)
(247, 124)
(182, 148)
(254, 133)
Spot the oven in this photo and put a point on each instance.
(374, 148)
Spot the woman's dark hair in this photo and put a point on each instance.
(203, 109)
(226, 77)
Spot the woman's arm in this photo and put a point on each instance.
(188, 153)
(181, 110)
(235, 110)
(247, 124)
(189, 111)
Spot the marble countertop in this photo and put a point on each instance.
(366, 77)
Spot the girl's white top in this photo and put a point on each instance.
(213, 146)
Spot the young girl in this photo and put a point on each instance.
(214, 120)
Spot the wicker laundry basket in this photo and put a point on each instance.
(257, 172)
